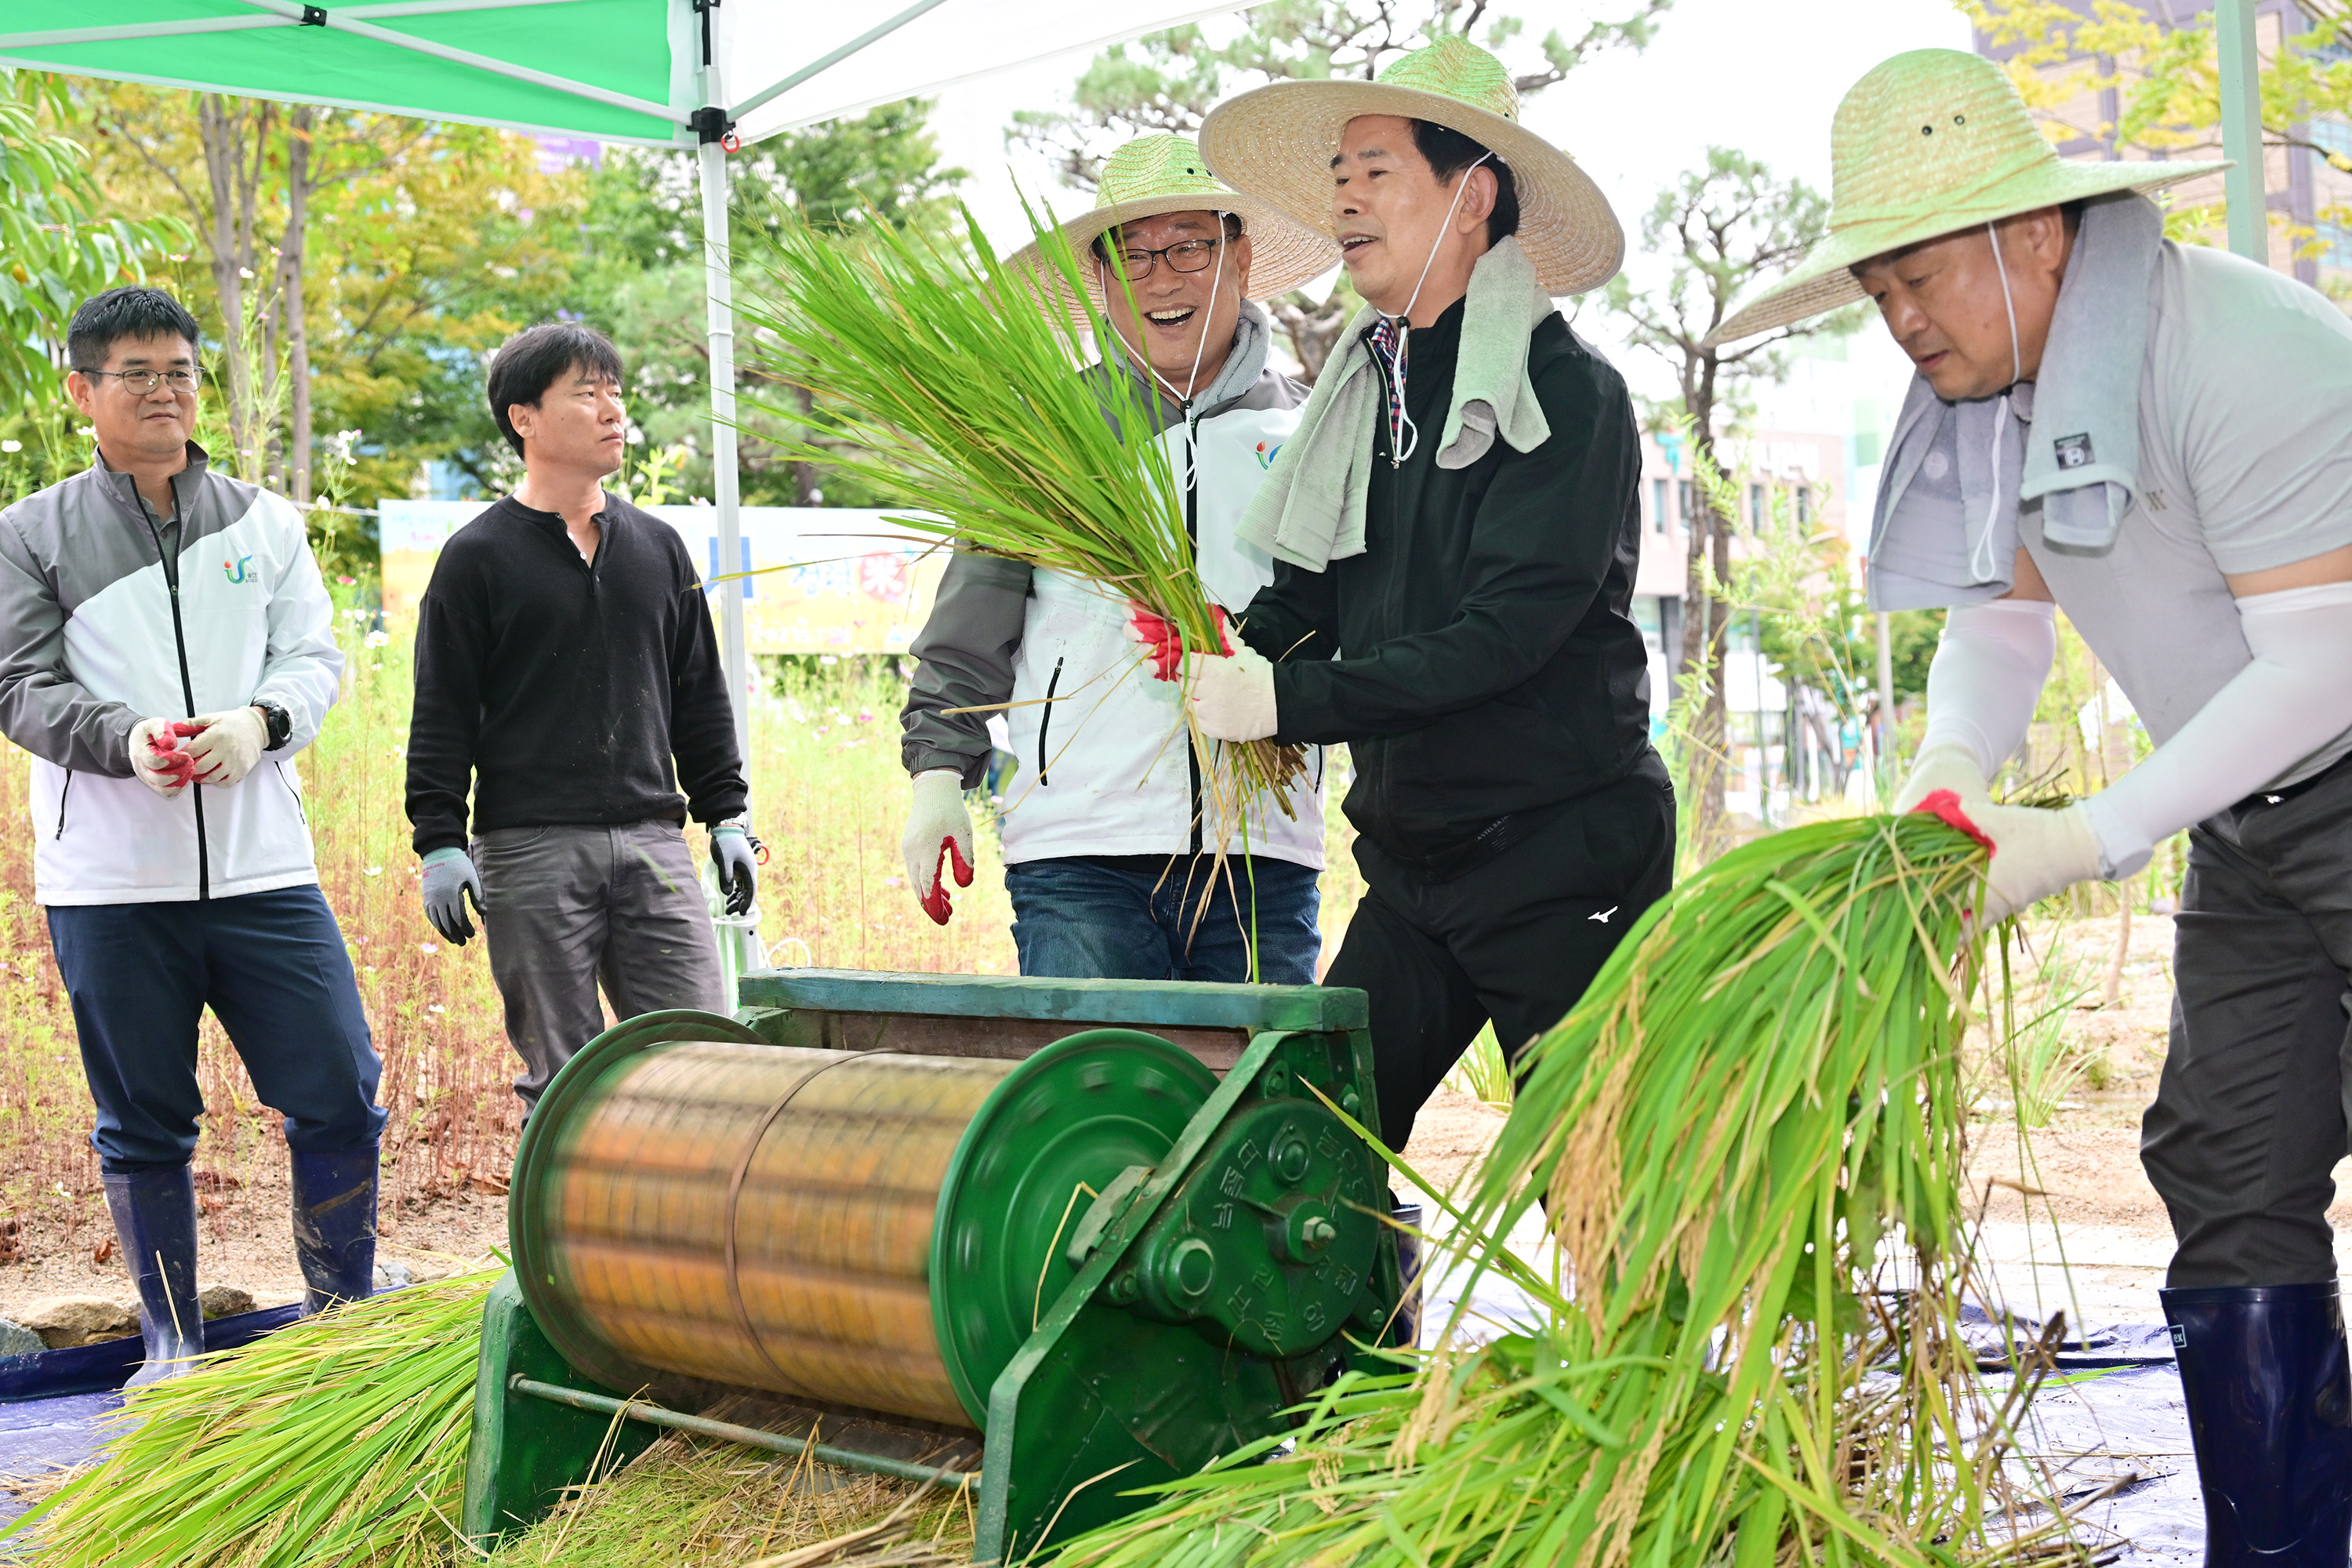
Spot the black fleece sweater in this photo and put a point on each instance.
(561, 691)
(1480, 658)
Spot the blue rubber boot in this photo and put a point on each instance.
(155, 1225)
(334, 1225)
(2263, 1374)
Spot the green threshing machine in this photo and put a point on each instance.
(1090, 1234)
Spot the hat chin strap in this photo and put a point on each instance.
(1981, 562)
(1412, 441)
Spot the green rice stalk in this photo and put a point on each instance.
(339, 1439)
(941, 374)
(1762, 1083)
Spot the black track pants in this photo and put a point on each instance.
(1517, 941)
(2250, 1114)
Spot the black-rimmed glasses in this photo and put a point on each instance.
(141, 382)
(1184, 255)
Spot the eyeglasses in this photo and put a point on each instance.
(141, 382)
(1184, 255)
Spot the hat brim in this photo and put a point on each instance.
(1283, 254)
(1825, 280)
(1277, 142)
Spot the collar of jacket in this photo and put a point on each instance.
(1244, 366)
(122, 488)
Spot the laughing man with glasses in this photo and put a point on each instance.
(1101, 820)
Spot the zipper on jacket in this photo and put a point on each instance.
(299, 809)
(61, 802)
(1045, 722)
(1192, 537)
(187, 686)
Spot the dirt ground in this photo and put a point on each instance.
(2084, 1168)
(243, 1241)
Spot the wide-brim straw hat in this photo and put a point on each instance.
(1277, 142)
(1929, 143)
(1154, 176)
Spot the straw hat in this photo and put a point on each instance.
(1927, 144)
(1279, 141)
(1154, 176)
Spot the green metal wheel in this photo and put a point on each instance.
(1056, 1132)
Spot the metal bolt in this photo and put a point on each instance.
(1291, 1159)
(1122, 1289)
(1320, 1231)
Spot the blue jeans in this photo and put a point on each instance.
(273, 969)
(1082, 919)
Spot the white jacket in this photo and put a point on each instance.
(1106, 764)
(93, 639)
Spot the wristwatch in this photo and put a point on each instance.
(279, 723)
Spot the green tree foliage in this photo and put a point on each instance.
(57, 246)
(2162, 63)
(1721, 230)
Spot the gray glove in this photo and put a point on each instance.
(734, 853)
(449, 876)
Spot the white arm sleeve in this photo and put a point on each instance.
(1987, 675)
(2291, 701)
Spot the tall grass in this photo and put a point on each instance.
(828, 799)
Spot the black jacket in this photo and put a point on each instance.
(562, 692)
(1480, 657)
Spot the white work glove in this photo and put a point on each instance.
(2036, 851)
(1953, 767)
(938, 828)
(157, 758)
(226, 745)
(1232, 695)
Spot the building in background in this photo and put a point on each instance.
(1812, 445)
(2310, 198)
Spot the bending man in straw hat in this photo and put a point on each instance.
(2152, 436)
(1103, 822)
(1457, 530)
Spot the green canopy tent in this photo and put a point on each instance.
(706, 74)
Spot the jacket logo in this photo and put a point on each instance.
(1266, 454)
(237, 574)
(2073, 452)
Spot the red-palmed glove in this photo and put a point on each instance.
(938, 828)
(2036, 851)
(157, 758)
(1159, 638)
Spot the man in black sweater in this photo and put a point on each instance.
(563, 657)
(1457, 529)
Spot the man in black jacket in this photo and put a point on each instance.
(563, 657)
(1457, 525)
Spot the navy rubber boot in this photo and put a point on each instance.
(1407, 1331)
(2262, 1371)
(155, 1225)
(334, 1225)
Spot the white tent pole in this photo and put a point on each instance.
(2241, 129)
(720, 286)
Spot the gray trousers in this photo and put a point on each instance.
(2251, 1113)
(565, 908)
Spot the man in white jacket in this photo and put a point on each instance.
(166, 646)
(1107, 857)
(2151, 436)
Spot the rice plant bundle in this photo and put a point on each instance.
(339, 1439)
(945, 376)
(1763, 1083)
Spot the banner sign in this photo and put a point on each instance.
(851, 582)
